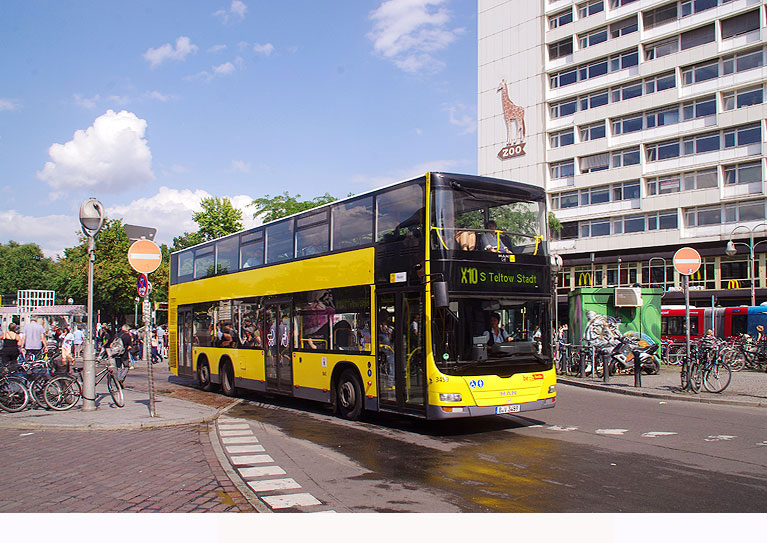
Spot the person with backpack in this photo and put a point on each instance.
(119, 348)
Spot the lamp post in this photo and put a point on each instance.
(731, 250)
(556, 267)
(91, 220)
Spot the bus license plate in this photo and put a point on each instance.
(507, 409)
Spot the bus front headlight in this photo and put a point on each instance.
(552, 389)
(450, 397)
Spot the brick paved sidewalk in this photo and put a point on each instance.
(158, 470)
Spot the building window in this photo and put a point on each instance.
(660, 82)
(561, 48)
(562, 138)
(569, 230)
(662, 117)
(702, 107)
(666, 184)
(743, 135)
(595, 163)
(701, 179)
(752, 210)
(592, 131)
(689, 7)
(747, 172)
(594, 69)
(596, 99)
(614, 4)
(702, 143)
(742, 61)
(562, 109)
(662, 150)
(626, 125)
(740, 24)
(743, 98)
(560, 19)
(633, 224)
(700, 72)
(592, 38)
(590, 8)
(661, 48)
(658, 16)
(621, 28)
(563, 169)
(625, 157)
(698, 36)
(626, 191)
(626, 92)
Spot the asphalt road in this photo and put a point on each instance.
(595, 452)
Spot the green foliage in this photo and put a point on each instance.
(554, 224)
(284, 205)
(23, 267)
(217, 219)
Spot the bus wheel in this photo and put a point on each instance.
(349, 396)
(203, 376)
(227, 379)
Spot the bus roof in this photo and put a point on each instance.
(524, 191)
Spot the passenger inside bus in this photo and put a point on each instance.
(490, 241)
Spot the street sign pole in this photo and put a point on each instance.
(687, 261)
(146, 309)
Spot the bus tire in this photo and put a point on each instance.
(203, 375)
(349, 398)
(227, 379)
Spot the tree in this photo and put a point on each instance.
(218, 218)
(284, 205)
(23, 267)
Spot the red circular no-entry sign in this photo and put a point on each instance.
(687, 260)
(144, 256)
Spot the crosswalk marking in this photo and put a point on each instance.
(251, 459)
(239, 440)
(234, 426)
(260, 471)
(612, 431)
(270, 485)
(239, 449)
(291, 500)
(232, 433)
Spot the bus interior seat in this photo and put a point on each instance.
(467, 240)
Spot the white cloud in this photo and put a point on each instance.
(110, 155)
(240, 166)
(217, 48)
(87, 103)
(170, 211)
(462, 117)
(184, 47)
(410, 32)
(8, 105)
(265, 49)
(223, 69)
(156, 95)
(236, 12)
(53, 233)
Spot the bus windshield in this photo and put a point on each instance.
(476, 336)
(466, 218)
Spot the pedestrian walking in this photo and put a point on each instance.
(77, 342)
(34, 338)
(154, 349)
(11, 346)
(120, 351)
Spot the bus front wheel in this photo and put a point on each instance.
(349, 397)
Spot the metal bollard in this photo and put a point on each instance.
(637, 371)
(592, 351)
(605, 369)
(582, 363)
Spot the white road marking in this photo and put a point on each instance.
(240, 449)
(719, 438)
(231, 433)
(27, 434)
(562, 429)
(261, 471)
(251, 459)
(273, 484)
(291, 500)
(658, 434)
(762, 443)
(612, 431)
(239, 440)
(233, 426)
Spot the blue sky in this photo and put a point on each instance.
(151, 105)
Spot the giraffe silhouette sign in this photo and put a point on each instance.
(514, 117)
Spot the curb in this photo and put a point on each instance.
(658, 395)
(237, 481)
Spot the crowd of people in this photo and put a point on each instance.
(34, 340)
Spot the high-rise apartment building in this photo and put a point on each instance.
(645, 122)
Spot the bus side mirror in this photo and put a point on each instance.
(439, 293)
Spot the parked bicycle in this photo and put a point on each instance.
(65, 391)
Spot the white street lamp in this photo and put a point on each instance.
(92, 220)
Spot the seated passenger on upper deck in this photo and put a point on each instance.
(490, 241)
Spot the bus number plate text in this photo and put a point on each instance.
(507, 409)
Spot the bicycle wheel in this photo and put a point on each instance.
(36, 392)
(62, 393)
(717, 378)
(696, 378)
(735, 360)
(14, 396)
(116, 390)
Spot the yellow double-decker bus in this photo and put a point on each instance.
(430, 297)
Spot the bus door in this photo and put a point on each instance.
(185, 335)
(278, 355)
(400, 348)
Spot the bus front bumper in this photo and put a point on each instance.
(436, 412)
